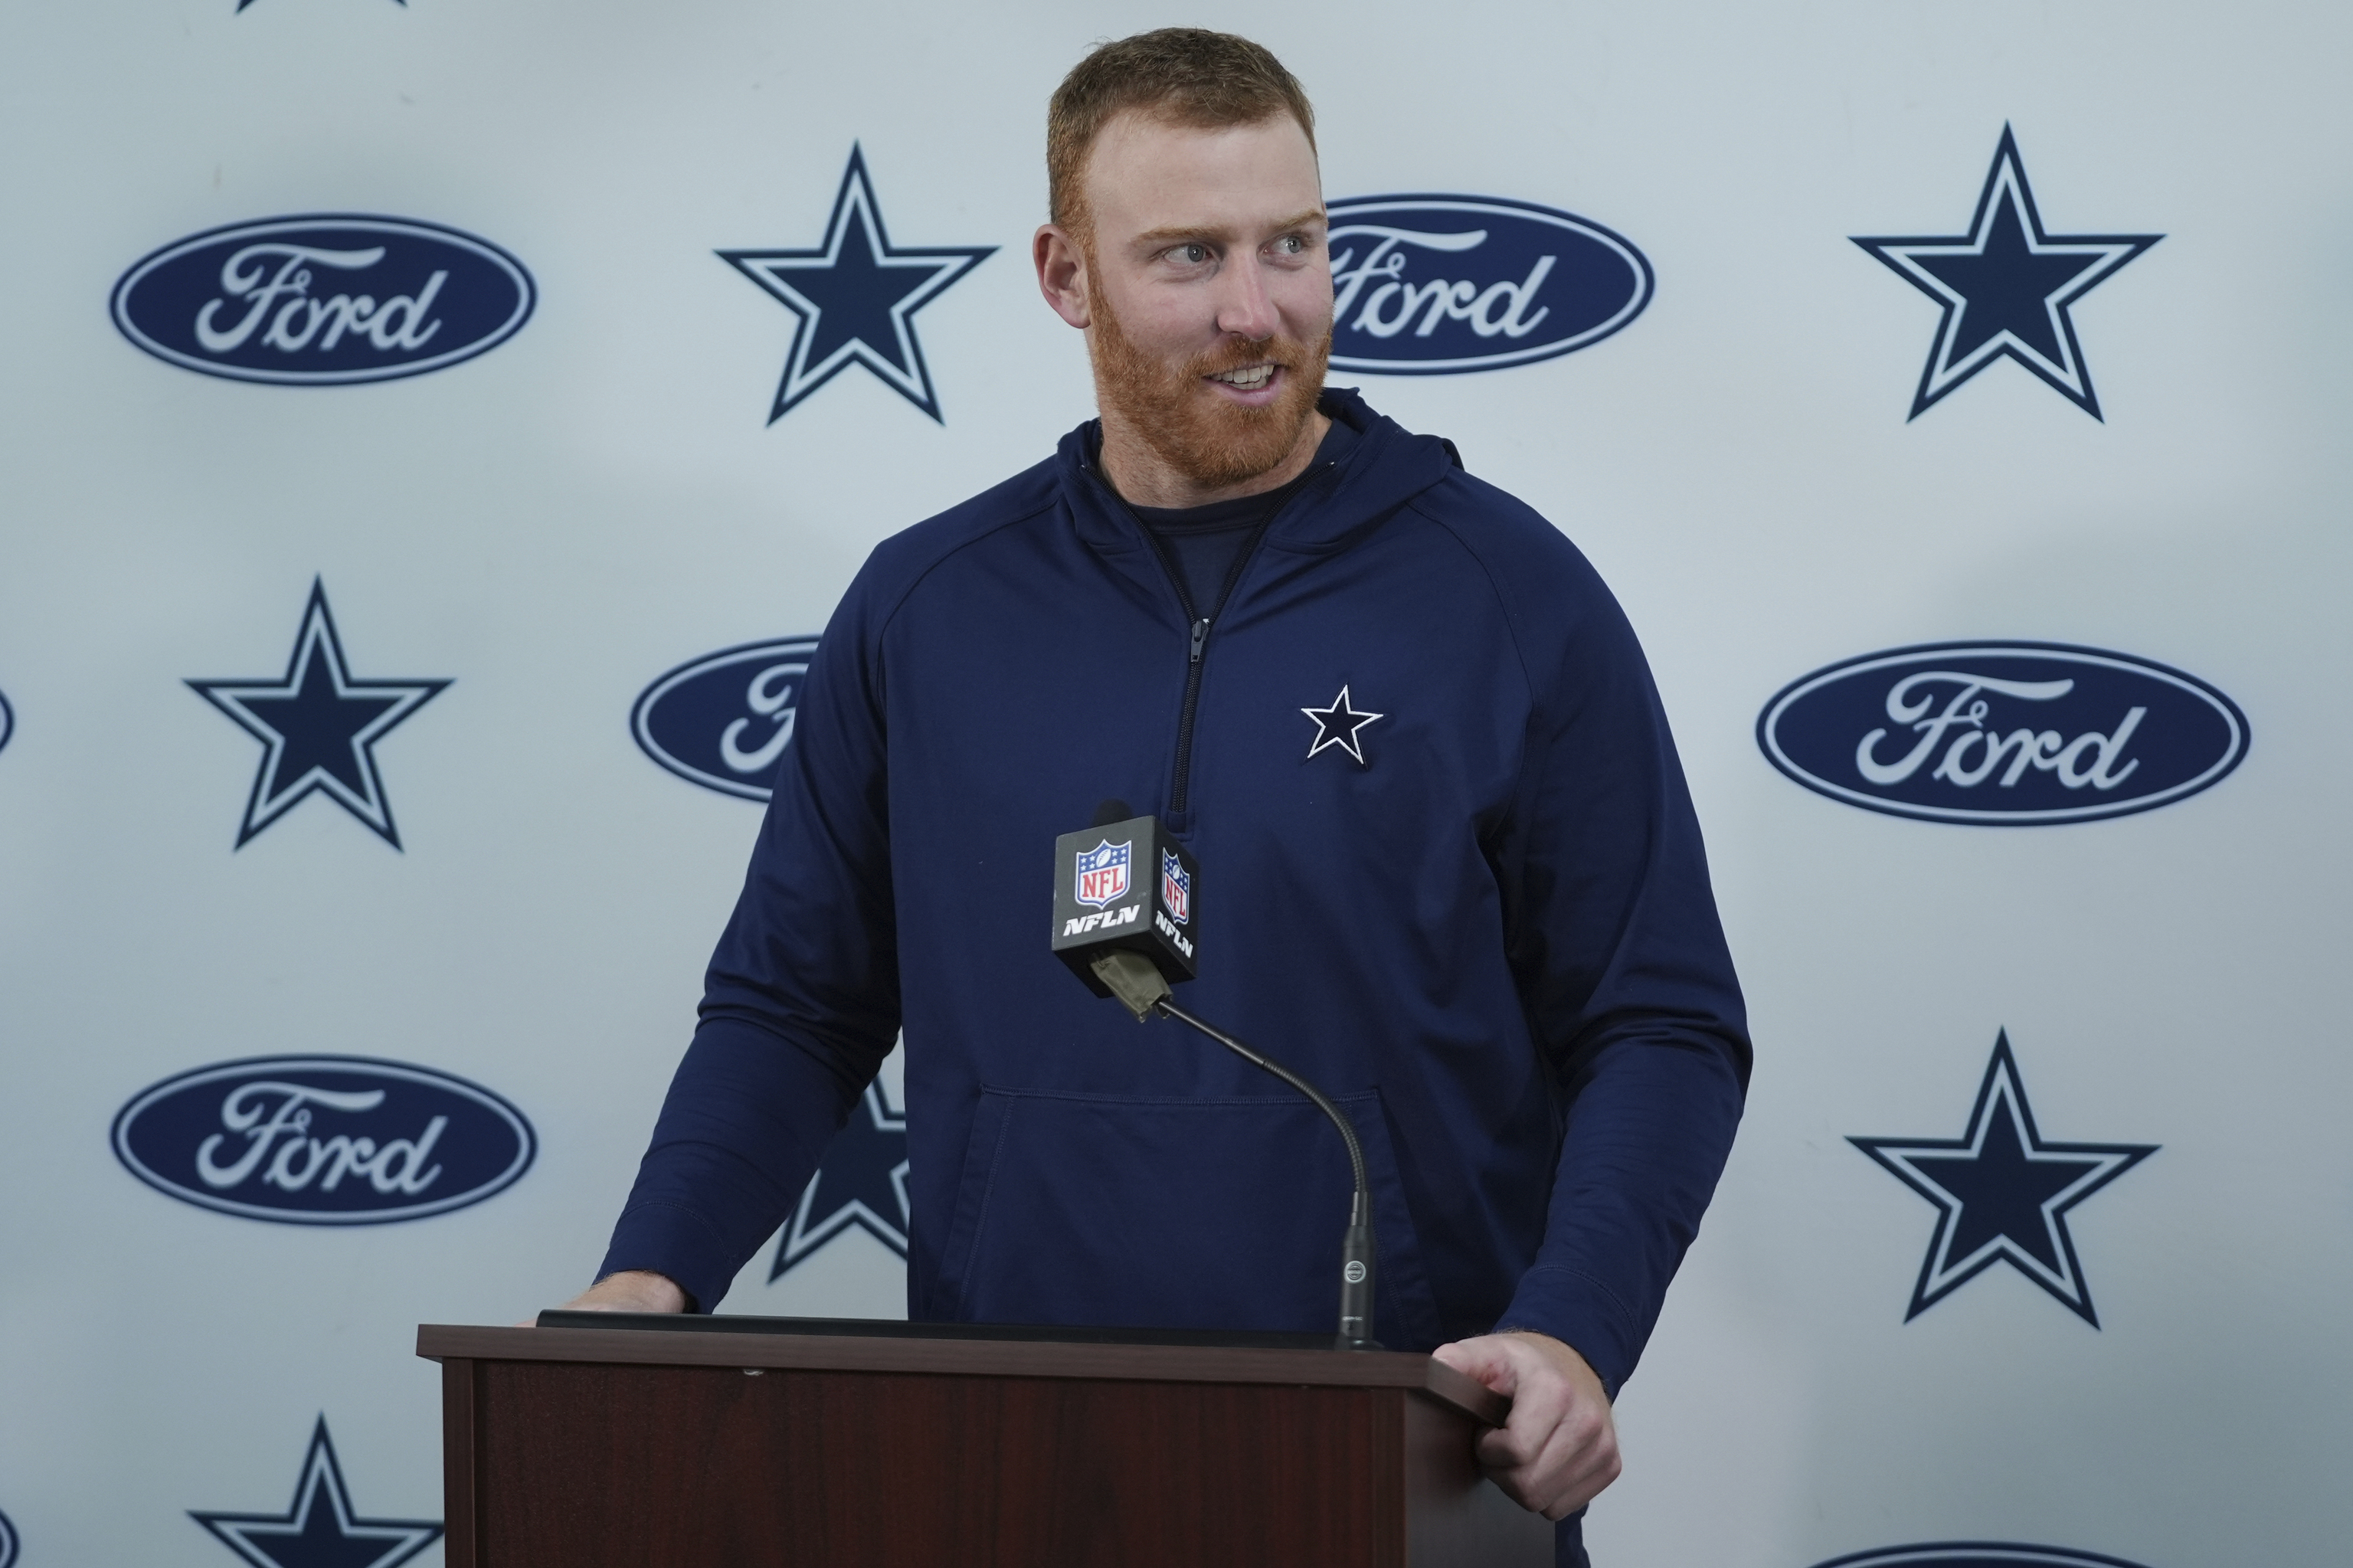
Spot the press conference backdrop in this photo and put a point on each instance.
(435, 434)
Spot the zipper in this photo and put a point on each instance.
(1180, 785)
(1180, 782)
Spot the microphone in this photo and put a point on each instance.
(1123, 907)
(1130, 936)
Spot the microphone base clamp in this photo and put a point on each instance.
(1133, 978)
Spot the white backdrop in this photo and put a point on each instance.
(553, 524)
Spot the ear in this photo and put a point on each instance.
(1061, 274)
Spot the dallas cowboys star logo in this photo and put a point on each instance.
(318, 1528)
(862, 1183)
(2002, 1193)
(1337, 725)
(854, 297)
(318, 727)
(2006, 288)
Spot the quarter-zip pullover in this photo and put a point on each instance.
(1204, 545)
(1470, 902)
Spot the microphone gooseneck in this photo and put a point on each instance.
(1124, 913)
(1347, 1133)
(1357, 1245)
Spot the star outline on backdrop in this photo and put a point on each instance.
(2001, 1129)
(305, 1536)
(2009, 225)
(868, 1163)
(353, 782)
(1339, 725)
(898, 359)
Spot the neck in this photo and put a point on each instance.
(1140, 475)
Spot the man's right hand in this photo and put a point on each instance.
(637, 1290)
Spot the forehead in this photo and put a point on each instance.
(1144, 174)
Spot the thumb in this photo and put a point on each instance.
(1485, 1360)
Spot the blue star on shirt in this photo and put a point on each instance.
(1337, 725)
(2002, 1193)
(862, 1183)
(318, 727)
(854, 297)
(2006, 288)
(318, 1528)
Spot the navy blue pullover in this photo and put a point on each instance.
(1492, 941)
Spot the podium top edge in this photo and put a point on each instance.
(901, 1329)
(970, 1357)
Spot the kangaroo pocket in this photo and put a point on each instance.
(1160, 1212)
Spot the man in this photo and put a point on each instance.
(1451, 871)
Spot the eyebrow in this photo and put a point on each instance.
(1200, 231)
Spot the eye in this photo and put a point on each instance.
(1192, 253)
(1290, 245)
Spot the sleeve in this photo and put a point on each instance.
(801, 1001)
(1621, 964)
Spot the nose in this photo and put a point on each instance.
(1244, 305)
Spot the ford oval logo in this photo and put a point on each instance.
(323, 1140)
(2003, 733)
(1975, 1554)
(8, 719)
(1431, 285)
(324, 300)
(722, 721)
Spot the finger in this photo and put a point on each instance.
(1575, 1469)
(1533, 1471)
(1501, 1452)
(1536, 1414)
(1485, 1360)
(1517, 1482)
(1586, 1488)
(1541, 1483)
(1565, 1456)
(1549, 1496)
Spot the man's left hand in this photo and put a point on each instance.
(1558, 1448)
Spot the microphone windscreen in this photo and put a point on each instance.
(1110, 812)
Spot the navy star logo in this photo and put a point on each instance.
(854, 298)
(2006, 287)
(319, 1528)
(318, 727)
(2002, 1193)
(862, 1183)
(1337, 725)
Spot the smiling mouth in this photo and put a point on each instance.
(1249, 378)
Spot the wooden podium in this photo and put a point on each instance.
(877, 1445)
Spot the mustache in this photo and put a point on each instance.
(1237, 354)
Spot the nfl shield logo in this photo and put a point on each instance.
(1175, 888)
(1102, 873)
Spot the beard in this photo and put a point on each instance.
(1208, 440)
